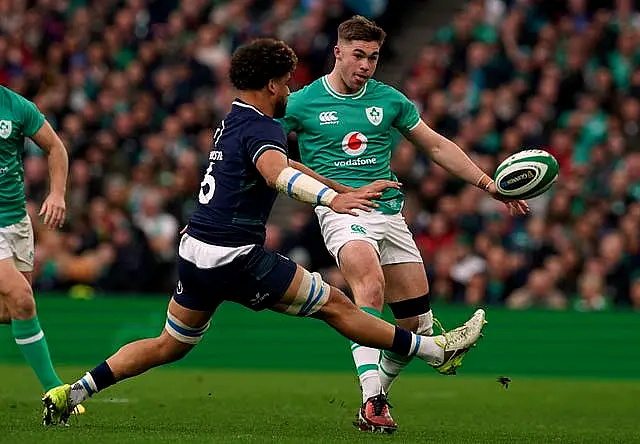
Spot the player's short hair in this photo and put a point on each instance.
(360, 28)
(255, 64)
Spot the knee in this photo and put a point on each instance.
(19, 303)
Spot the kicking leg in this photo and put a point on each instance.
(407, 293)
(309, 296)
(184, 328)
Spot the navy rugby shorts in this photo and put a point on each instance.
(249, 275)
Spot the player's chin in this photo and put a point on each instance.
(358, 81)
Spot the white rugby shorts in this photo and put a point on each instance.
(387, 233)
(16, 241)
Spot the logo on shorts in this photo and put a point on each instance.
(354, 143)
(358, 229)
(258, 298)
(328, 118)
(179, 288)
(5, 128)
(374, 114)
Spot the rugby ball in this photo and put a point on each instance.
(526, 174)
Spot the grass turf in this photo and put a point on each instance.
(198, 406)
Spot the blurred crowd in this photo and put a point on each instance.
(563, 76)
(133, 88)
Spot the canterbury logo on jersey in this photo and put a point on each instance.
(328, 118)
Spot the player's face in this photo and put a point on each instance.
(356, 62)
(280, 91)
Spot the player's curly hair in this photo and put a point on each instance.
(361, 28)
(254, 64)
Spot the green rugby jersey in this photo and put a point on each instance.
(19, 118)
(349, 137)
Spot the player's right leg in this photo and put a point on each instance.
(360, 266)
(188, 318)
(308, 295)
(184, 328)
(18, 303)
(353, 242)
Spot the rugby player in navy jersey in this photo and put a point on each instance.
(221, 254)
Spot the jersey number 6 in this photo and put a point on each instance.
(205, 197)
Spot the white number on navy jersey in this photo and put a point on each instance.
(208, 180)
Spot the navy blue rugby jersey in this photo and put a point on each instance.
(234, 201)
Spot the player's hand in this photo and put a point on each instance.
(346, 203)
(53, 210)
(515, 207)
(380, 185)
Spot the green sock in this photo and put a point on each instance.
(33, 345)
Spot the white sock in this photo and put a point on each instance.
(391, 364)
(429, 350)
(82, 389)
(366, 360)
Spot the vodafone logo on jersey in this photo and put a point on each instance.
(354, 143)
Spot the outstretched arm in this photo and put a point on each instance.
(449, 156)
(274, 167)
(53, 207)
(328, 182)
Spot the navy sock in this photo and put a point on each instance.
(402, 341)
(103, 376)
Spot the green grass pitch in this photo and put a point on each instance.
(200, 406)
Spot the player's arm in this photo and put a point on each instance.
(273, 165)
(328, 182)
(53, 207)
(450, 156)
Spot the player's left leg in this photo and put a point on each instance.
(407, 294)
(184, 328)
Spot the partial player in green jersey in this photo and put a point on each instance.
(344, 123)
(20, 118)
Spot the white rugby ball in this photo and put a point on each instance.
(526, 174)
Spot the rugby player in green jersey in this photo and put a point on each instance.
(20, 118)
(344, 124)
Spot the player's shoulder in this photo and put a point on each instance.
(378, 87)
(307, 91)
(9, 95)
(259, 126)
(12, 95)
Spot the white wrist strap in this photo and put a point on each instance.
(304, 188)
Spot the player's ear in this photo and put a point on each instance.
(272, 87)
(336, 51)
